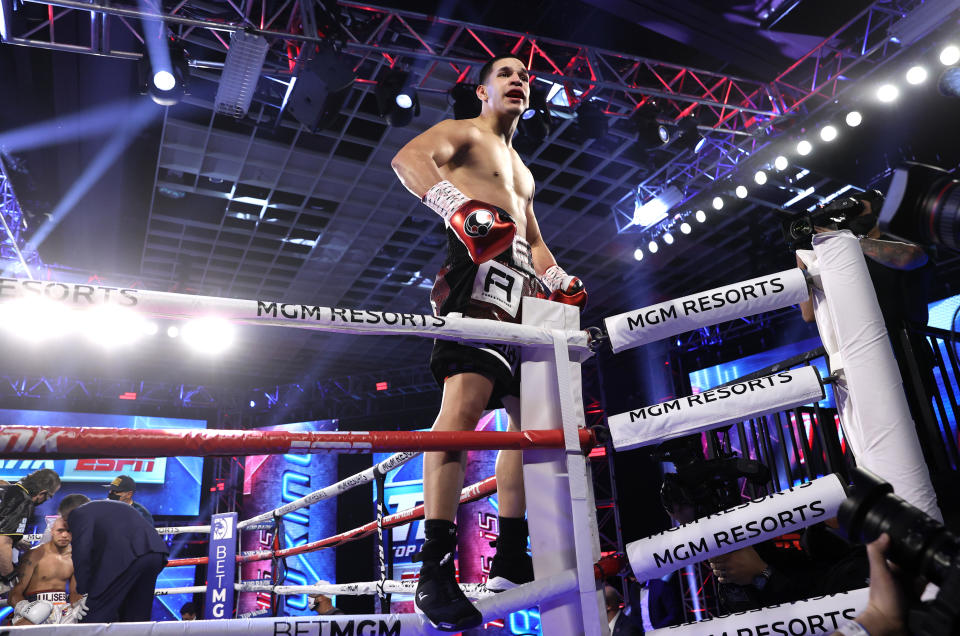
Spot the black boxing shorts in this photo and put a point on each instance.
(491, 291)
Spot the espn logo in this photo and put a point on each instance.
(149, 470)
(116, 465)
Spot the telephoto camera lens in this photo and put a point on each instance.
(920, 545)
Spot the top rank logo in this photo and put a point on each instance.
(478, 223)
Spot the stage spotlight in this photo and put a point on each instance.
(701, 216)
(165, 76)
(36, 319)
(396, 100)
(760, 177)
(592, 120)
(916, 75)
(465, 102)
(950, 55)
(651, 134)
(828, 133)
(253, 404)
(741, 192)
(638, 254)
(689, 135)
(668, 238)
(173, 331)
(535, 121)
(804, 147)
(781, 163)
(854, 118)
(208, 335)
(150, 328)
(685, 227)
(164, 80)
(887, 93)
(717, 203)
(652, 247)
(110, 326)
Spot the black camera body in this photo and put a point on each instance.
(835, 215)
(919, 546)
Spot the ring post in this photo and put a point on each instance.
(561, 512)
(875, 418)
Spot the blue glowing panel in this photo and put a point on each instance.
(157, 477)
(727, 371)
(167, 608)
(941, 312)
(271, 481)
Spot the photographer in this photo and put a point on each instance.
(885, 614)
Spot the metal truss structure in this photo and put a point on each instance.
(12, 228)
(330, 398)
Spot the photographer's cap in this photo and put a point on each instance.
(123, 483)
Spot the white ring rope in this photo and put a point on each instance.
(408, 586)
(302, 316)
(363, 477)
(746, 298)
(254, 523)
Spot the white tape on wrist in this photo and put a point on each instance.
(553, 278)
(444, 198)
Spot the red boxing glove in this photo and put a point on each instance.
(564, 288)
(484, 229)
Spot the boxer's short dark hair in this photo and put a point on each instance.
(487, 68)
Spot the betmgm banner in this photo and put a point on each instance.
(746, 524)
(221, 568)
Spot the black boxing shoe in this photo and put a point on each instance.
(508, 571)
(440, 599)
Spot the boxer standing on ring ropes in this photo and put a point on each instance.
(468, 172)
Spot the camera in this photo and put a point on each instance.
(919, 546)
(923, 206)
(708, 485)
(835, 215)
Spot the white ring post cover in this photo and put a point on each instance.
(738, 527)
(715, 407)
(547, 478)
(882, 432)
(746, 298)
(814, 616)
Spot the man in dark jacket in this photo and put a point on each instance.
(117, 556)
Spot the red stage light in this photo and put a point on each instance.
(382, 386)
(129, 395)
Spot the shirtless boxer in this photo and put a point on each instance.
(468, 172)
(44, 573)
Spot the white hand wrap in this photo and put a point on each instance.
(444, 198)
(37, 612)
(555, 278)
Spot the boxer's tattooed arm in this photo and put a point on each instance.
(25, 570)
(893, 254)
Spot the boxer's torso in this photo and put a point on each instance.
(488, 170)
